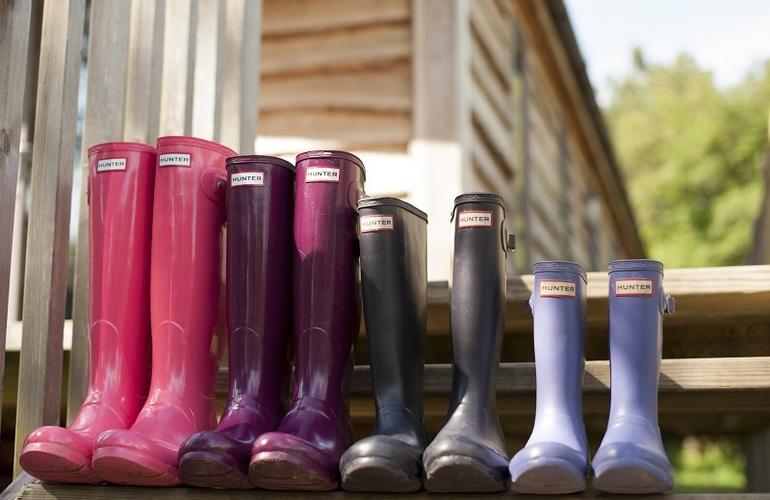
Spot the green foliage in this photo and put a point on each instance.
(692, 157)
(707, 464)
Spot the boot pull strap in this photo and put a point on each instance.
(528, 307)
(214, 186)
(668, 303)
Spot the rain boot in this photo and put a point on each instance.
(555, 459)
(631, 458)
(469, 454)
(184, 298)
(121, 176)
(260, 201)
(394, 280)
(305, 451)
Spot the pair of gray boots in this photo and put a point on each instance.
(469, 454)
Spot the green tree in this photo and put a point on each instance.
(692, 158)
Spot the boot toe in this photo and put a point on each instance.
(215, 460)
(548, 468)
(629, 468)
(460, 465)
(281, 461)
(58, 454)
(126, 457)
(382, 464)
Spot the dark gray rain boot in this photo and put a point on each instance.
(631, 458)
(469, 454)
(395, 293)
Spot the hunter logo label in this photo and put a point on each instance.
(322, 174)
(111, 165)
(375, 223)
(560, 289)
(633, 288)
(174, 160)
(474, 219)
(247, 179)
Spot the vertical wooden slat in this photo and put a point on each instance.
(177, 80)
(208, 31)
(107, 57)
(47, 242)
(145, 62)
(14, 42)
(521, 96)
(440, 147)
(238, 109)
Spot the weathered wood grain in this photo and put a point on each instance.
(143, 79)
(71, 492)
(47, 241)
(375, 45)
(177, 73)
(107, 65)
(287, 17)
(14, 45)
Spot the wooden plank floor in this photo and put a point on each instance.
(38, 491)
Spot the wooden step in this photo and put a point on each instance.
(37, 491)
(676, 375)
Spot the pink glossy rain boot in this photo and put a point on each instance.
(184, 295)
(120, 185)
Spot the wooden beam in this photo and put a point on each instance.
(37, 491)
(14, 45)
(47, 241)
(287, 17)
(143, 78)
(107, 66)
(676, 375)
(178, 65)
(238, 112)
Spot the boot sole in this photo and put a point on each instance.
(278, 470)
(375, 474)
(57, 463)
(212, 470)
(461, 474)
(630, 476)
(549, 476)
(123, 466)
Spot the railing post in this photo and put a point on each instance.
(14, 42)
(40, 364)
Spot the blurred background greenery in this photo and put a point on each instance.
(692, 155)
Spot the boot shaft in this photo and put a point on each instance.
(260, 203)
(190, 188)
(395, 295)
(558, 306)
(477, 296)
(325, 271)
(120, 192)
(636, 306)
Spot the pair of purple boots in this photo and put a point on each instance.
(276, 284)
(631, 457)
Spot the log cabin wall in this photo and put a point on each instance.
(354, 75)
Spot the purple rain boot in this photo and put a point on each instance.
(305, 451)
(469, 454)
(555, 459)
(259, 214)
(394, 278)
(631, 458)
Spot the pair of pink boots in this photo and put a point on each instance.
(155, 220)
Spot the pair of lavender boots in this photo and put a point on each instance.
(631, 458)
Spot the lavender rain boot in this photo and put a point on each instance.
(555, 459)
(394, 276)
(304, 453)
(260, 203)
(631, 458)
(469, 454)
